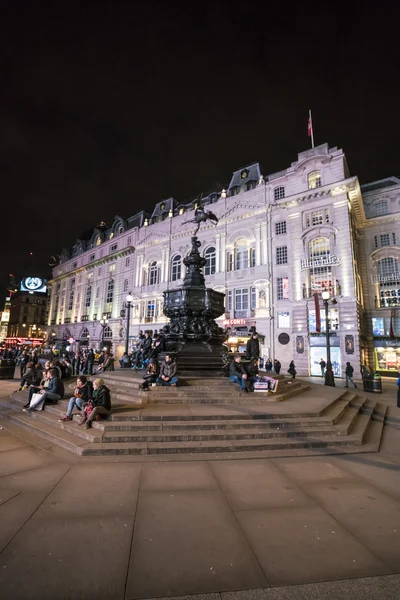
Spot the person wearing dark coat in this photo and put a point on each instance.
(268, 365)
(83, 392)
(251, 372)
(292, 370)
(253, 347)
(158, 346)
(144, 350)
(101, 403)
(90, 361)
(277, 366)
(236, 372)
(32, 376)
(53, 393)
(24, 359)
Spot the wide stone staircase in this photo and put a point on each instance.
(211, 418)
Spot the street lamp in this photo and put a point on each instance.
(129, 300)
(103, 323)
(329, 377)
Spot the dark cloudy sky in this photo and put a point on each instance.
(109, 110)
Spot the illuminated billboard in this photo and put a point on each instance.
(33, 284)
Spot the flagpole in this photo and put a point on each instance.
(311, 127)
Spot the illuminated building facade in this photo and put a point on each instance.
(280, 239)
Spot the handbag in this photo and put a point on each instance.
(88, 409)
(34, 399)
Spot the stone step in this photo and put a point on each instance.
(211, 435)
(93, 435)
(373, 435)
(348, 418)
(328, 443)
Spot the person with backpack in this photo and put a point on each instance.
(349, 375)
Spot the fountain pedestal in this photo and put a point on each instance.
(192, 331)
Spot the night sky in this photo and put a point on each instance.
(107, 111)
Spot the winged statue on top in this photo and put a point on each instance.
(201, 216)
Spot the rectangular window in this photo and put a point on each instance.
(280, 228)
(283, 320)
(150, 309)
(314, 180)
(98, 293)
(100, 271)
(113, 248)
(253, 298)
(229, 261)
(112, 268)
(252, 257)
(230, 300)
(376, 244)
(74, 265)
(393, 238)
(126, 283)
(129, 241)
(281, 255)
(282, 288)
(242, 299)
(71, 300)
(317, 218)
(92, 257)
(127, 261)
(279, 193)
(385, 239)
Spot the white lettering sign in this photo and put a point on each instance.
(389, 278)
(329, 261)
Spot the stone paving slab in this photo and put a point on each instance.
(257, 484)
(173, 476)
(368, 588)
(371, 516)
(67, 559)
(305, 545)
(22, 459)
(196, 543)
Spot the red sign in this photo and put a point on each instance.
(235, 322)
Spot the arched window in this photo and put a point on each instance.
(107, 333)
(84, 333)
(120, 230)
(88, 298)
(210, 256)
(176, 269)
(153, 273)
(388, 268)
(110, 291)
(380, 208)
(320, 276)
(98, 241)
(241, 256)
(314, 180)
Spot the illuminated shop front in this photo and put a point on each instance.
(240, 331)
(387, 356)
(318, 342)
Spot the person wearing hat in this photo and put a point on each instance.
(101, 403)
(253, 347)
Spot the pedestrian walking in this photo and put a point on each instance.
(322, 364)
(349, 375)
(292, 369)
(277, 366)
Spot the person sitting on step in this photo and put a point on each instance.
(250, 375)
(237, 373)
(53, 393)
(83, 392)
(152, 373)
(32, 376)
(168, 372)
(101, 403)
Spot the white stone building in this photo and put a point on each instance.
(280, 238)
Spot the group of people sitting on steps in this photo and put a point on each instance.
(164, 374)
(93, 400)
(146, 349)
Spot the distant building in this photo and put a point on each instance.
(4, 319)
(281, 240)
(28, 311)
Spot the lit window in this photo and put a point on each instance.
(107, 335)
(314, 180)
(282, 288)
(283, 320)
(176, 268)
(320, 277)
(181, 210)
(380, 208)
(111, 235)
(210, 266)
(98, 241)
(279, 193)
(150, 309)
(281, 255)
(280, 228)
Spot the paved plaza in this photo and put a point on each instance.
(126, 528)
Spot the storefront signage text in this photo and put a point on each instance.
(330, 261)
(235, 322)
(389, 278)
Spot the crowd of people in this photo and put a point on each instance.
(146, 348)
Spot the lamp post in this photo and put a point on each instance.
(129, 299)
(329, 377)
(103, 323)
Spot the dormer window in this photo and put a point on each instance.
(314, 180)
(181, 210)
(98, 241)
(380, 208)
(120, 230)
(162, 206)
(111, 235)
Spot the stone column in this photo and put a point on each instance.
(258, 245)
(264, 244)
(223, 253)
(217, 253)
(162, 277)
